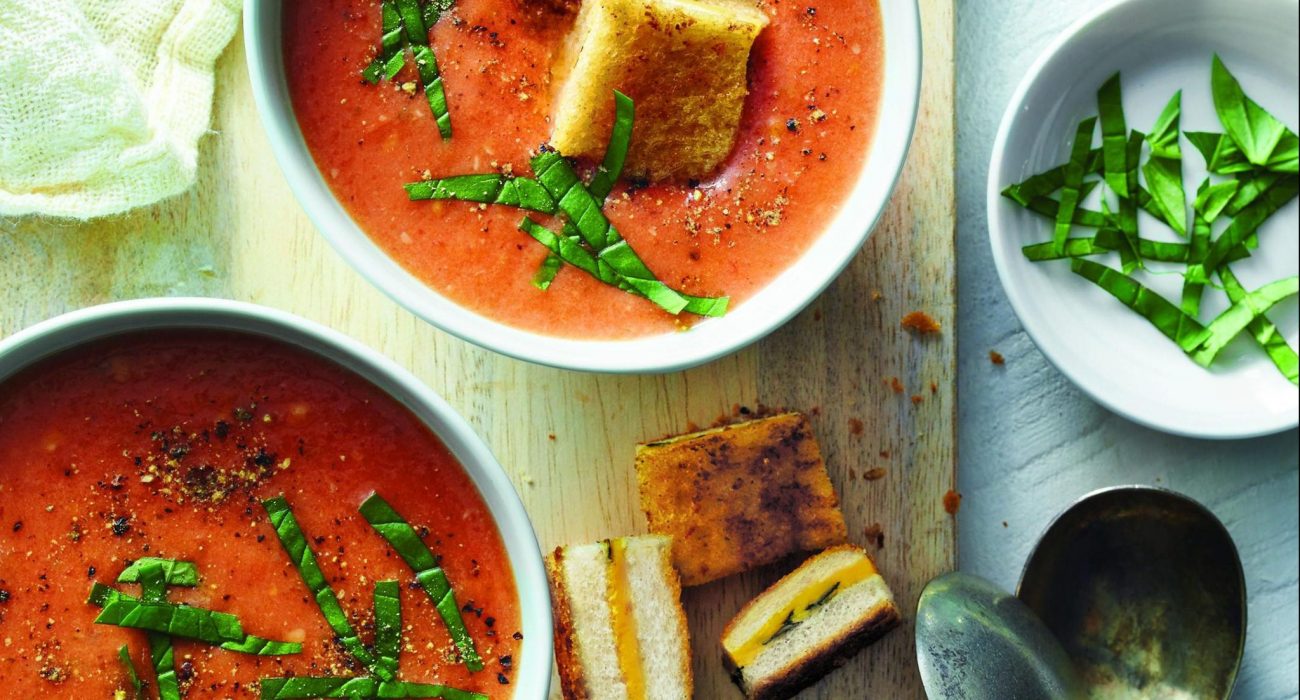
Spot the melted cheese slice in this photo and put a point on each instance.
(801, 607)
(624, 622)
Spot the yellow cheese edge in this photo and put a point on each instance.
(798, 610)
(623, 621)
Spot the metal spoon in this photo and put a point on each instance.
(977, 642)
(1144, 589)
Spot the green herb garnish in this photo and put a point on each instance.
(301, 688)
(388, 623)
(1164, 171)
(406, 24)
(295, 544)
(1253, 166)
(391, 58)
(154, 575)
(428, 573)
(1264, 140)
(588, 240)
(132, 677)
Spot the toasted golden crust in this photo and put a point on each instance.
(820, 660)
(572, 684)
(684, 63)
(739, 497)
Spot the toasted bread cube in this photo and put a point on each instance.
(683, 62)
(738, 497)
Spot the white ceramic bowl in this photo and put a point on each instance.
(761, 314)
(1110, 352)
(532, 681)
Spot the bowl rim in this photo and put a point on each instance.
(994, 206)
(77, 328)
(780, 300)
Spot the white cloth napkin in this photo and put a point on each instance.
(103, 102)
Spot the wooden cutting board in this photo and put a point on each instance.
(567, 439)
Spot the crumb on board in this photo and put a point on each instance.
(876, 295)
(896, 384)
(856, 426)
(917, 399)
(876, 535)
(952, 502)
(934, 387)
(875, 473)
(884, 454)
(921, 323)
(996, 358)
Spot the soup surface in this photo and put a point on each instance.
(815, 77)
(163, 445)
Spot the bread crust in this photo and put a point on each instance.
(572, 683)
(738, 497)
(827, 656)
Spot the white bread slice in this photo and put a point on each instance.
(587, 591)
(853, 617)
(683, 62)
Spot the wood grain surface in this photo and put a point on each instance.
(567, 439)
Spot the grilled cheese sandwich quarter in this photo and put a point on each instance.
(620, 633)
(808, 623)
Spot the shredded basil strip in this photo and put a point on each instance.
(417, 35)
(520, 192)
(1128, 218)
(602, 183)
(185, 621)
(388, 624)
(174, 573)
(132, 677)
(154, 575)
(1245, 225)
(1164, 170)
(1074, 172)
(300, 688)
(1167, 318)
(295, 544)
(1237, 318)
(1256, 132)
(1263, 331)
(407, 543)
(391, 58)
(1114, 136)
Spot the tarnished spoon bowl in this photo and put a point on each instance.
(1144, 589)
(975, 641)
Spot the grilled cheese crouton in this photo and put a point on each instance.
(738, 497)
(684, 64)
(808, 623)
(620, 633)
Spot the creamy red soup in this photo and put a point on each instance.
(815, 79)
(164, 445)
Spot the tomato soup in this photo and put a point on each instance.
(814, 91)
(165, 445)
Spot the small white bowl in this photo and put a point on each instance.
(1110, 352)
(755, 318)
(533, 679)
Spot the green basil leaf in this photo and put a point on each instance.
(1114, 136)
(295, 545)
(1253, 129)
(407, 543)
(1073, 181)
(1237, 318)
(132, 677)
(1166, 317)
(301, 688)
(1263, 331)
